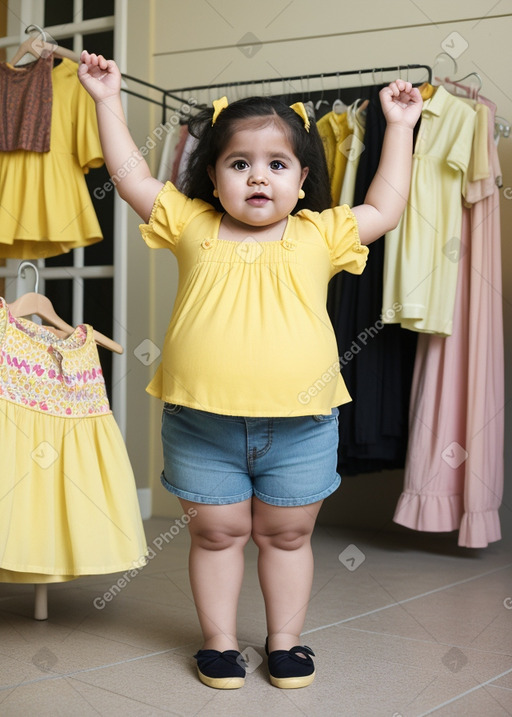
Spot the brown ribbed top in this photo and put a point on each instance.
(26, 105)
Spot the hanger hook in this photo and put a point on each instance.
(29, 29)
(381, 70)
(502, 125)
(322, 92)
(21, 272)
(444, 55)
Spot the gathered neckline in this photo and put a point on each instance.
(241, 241)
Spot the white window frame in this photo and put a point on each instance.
(22, 13)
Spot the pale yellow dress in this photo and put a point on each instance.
(68, 502)
(334, 132)
(422, 254)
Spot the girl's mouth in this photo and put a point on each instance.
(258, 200)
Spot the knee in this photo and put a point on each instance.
(220, 538)
(291, 539)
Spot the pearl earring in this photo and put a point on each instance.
(302, 194)
(215, 193)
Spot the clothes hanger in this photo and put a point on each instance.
(338, 106)
(438, 71)
(501, 129)
(502, 126)
(308, 103)
(41, 45)
(321, 101)
(361, 105)
(470, 90)
(33, 303)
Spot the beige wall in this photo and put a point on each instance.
(139, 305)
(199, 42)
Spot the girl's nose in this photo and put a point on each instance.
(258, 178)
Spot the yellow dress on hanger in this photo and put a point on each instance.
(45, 205)
(421, 254)
(68, 499)
(334, 132)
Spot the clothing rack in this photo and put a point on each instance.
(161, 103)
(172, 93)
(318, 76)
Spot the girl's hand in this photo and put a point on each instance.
(401, 103)
(101, 78)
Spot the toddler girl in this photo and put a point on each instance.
(250, 374)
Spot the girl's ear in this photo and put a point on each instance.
(211, 174)
(304, 174)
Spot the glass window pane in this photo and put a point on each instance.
(102, 43)
(98, 300)
(63, 42)
(60, 260)
(60, 293)
(98, 8)
(102, 195)
(57, 12)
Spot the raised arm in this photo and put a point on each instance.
(387, 195)
(127, 167)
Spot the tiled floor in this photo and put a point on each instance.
(402, 624)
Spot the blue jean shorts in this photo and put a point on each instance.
(217, 459)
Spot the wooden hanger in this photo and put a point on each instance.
(39, 46)
(33, 303)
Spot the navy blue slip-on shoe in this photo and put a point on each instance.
(288, 669)
(222, 670)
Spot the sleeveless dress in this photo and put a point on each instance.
(68, 502)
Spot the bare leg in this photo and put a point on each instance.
(218, 534)
(285, 567)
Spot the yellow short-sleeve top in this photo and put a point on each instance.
(249, 334)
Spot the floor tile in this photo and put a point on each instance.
(403, 625)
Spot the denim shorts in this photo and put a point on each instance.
(217, 459)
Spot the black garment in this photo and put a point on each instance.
(376, 360)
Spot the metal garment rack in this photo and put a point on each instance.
(172, 93)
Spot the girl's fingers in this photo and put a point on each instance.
(87, 58)
(91, 58)
(399, 86)
(91, 62)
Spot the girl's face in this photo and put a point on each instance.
(258, 176)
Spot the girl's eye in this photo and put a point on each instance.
(276, 164)
(240, 164)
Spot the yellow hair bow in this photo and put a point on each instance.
(218, 106)
(299, 108)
